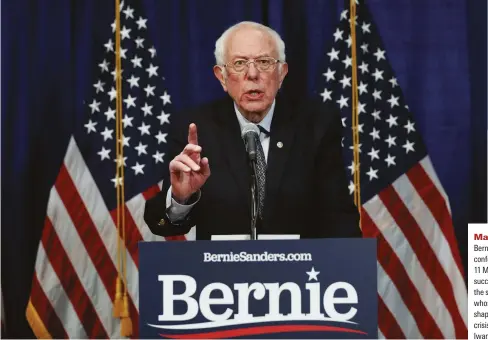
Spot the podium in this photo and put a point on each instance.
(309, 288)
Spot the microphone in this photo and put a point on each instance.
(249, 134)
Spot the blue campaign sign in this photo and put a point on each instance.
(321, 288)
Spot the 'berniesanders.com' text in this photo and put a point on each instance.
(244, 256)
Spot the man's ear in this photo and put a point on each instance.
(283, 72)
(219, 74)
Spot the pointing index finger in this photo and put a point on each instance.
(192, 134)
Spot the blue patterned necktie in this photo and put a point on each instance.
(261, 172)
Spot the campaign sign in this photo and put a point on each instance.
(317, 288)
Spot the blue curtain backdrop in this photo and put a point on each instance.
(50, 51)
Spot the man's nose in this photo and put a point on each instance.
(252, 72)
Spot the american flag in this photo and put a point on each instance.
(73, 287)
(421, 290)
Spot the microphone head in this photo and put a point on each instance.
(250, 128)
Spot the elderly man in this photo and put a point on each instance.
(302, 190)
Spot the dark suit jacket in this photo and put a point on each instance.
(306, 186)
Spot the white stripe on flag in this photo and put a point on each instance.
(136, 207)
(82, 263)
(50, 284)
(93, 200)
(429, 169)
(394, 302)
(400, 245)
(430, 228)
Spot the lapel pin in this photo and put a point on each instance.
(279, 144)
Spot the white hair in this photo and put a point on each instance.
(221, 42)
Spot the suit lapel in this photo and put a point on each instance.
(282, 136)
(233, 149)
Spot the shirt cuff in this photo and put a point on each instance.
(177, 211)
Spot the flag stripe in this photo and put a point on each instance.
(387, 287)
(83, 266)
(57, 297)
(431, 227)
(87, 231)
(388, 324)
(151, 192)
(428, 260)
(99, 214)
(397, 242)
(429, 169)
(132, 234)
(421, 180)
(44, 310)
(136, 208)
(60, 261)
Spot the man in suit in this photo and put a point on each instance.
(304, 187)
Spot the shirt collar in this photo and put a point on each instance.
(265, 123)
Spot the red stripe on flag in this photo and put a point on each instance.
(437, 206)
(72, 286)
(425, 255)
(87, 231)
(151, 192)
(388, 325)
(395, 270)
(132, 234)
(45, 311)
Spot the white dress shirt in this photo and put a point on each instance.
(179, 211)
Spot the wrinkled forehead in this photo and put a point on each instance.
(250, 42)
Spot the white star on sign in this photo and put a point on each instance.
(112, 93)
(152, 70)
(312, 275)
(152, 50)
(344, 14)
(393, 82)
(119, 180)
(118, 160)
(129, 13)
(376, 115)
(364, 47)
(166, 98)
(158, 157)
(109, 46)
(351, 187)
(361, 108)
(365, 27)
(347, 62)
(349, 41)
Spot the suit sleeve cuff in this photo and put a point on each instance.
(177, 211)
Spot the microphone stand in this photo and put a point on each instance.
(254, 201)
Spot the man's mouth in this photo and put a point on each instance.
(254, 94)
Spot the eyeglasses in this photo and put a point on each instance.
(262, 64)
